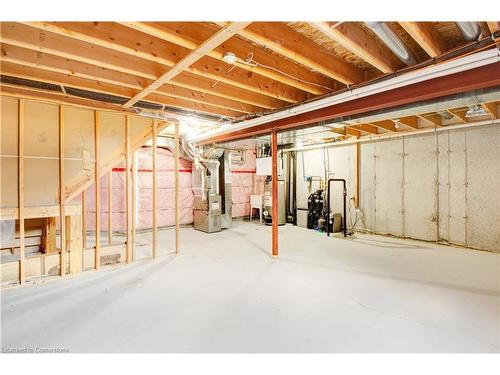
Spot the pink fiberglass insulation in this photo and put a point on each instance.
(144, 194)
(242, 184)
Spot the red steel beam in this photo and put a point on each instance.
(473, 79)
(274, 207)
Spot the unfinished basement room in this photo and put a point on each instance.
(250, 186)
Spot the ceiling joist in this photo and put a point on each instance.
(225, 33)
(426, 36)
(357, 40)
(189, 37)
(296, 47)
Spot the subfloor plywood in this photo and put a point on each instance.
(225, 293)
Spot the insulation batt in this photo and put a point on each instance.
(242, 187)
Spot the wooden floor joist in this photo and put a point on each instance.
(207, 46)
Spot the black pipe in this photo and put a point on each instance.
(344, 219)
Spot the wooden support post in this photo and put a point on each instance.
(97, 185)
(357, 174)
(84, 223)
(20, 186)
(110, 207)
(274, 146)
(135, 196)
(62, 194)
(155, 187)
(128, 203)
(49, 235)
(177, 215)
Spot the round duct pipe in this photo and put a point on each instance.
(391, 40)
(470, 30)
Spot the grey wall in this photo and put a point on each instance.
(441, 186)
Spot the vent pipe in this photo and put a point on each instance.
(470, 30)
(391, 40)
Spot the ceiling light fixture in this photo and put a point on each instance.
(476, 111)
(230, 58)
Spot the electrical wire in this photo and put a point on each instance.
(251, 62)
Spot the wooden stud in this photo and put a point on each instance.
(22, 259)
(128, 190)
(110, 207)
(155, 188)
(62, 195)
(494, 26)
(97, 191)
(177, 207)
(135, 198)
(274, 146)
(84, 223)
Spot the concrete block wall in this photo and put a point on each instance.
(435, 187)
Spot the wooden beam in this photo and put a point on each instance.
(366, 128)
(492, 109)
(131, 60)
(352, 132)
(20, 192)
(110, 207)
(186, 85)
(494, 26)
(426, 36)
(177, 206)
(459, 114)
(410, 121)
(274, 214)
(169, 100)
(283, 40)
(62, 196)
(54, 97)
(97, 190)
(357, 40)
(433, 118)
(191, 35)
(385, 124)
(128, 190)
(221, 36)
(155, 188)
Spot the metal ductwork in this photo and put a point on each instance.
(470, 30)
(391, 40)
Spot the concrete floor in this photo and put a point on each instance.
(224, 293)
